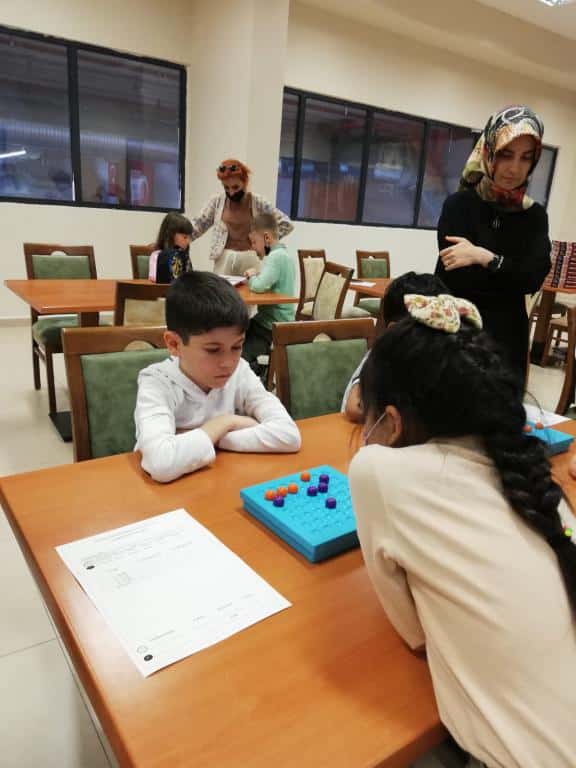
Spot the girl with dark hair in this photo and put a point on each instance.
(493, 238)
(467, 538)
(172, 255)
(231, 215)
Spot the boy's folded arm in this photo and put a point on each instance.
(276, 431)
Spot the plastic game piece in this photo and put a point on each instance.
(313, 527)
(539, 425)
(269, 495)
(293, 488)
(278, 501)
(305, 476)
(322, 487)
(554, 440)
(324, 478)
(282, 491)
(312, 490)
(527, 428)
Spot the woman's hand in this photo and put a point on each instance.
(250, 272)
(464, 254)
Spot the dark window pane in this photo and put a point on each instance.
(129, 131)
(448, 150)
(34, 126)
(287, 151)
(331, 160)
(395, 150)
(538, 187)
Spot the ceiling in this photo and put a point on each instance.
(561, 19)
(523, 36)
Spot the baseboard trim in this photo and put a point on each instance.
(12, 322)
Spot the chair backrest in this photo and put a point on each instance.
(49, 261)
(102, 366)
(311, 265)
(314, 361)
(140, 258)
(140, 304)
(563, 270)
(331, 291)
(372, 264)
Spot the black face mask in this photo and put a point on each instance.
(267, 249)
(236, 197)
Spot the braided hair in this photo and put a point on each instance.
(455, 384)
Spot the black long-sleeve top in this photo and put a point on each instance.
(521, 238)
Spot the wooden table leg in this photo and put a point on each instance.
(541, 330)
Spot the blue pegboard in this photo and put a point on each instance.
(557, 441)
(304, 522)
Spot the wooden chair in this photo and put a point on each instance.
(102, 366)
(557, 331)
(311, 265)
(49, 261)
(314, 361)
(139, 258)
(140, 304)
(371, 264)
(567, 395)
(331, 291)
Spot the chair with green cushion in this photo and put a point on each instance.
(140, 258)
(46, 261)
(102, 366)
(314, 361)
(370, 265)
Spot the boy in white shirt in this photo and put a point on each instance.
(205, 396)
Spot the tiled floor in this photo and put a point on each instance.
(44, 721)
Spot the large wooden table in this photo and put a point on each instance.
(88, 297)
(325, 684)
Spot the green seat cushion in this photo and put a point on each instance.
(47, 330)
(61, 267)
(370, 305)
(142, 262)
(319, 373)
(373, 268)
(111, 384)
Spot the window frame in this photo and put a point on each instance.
(372, 112)
(72, 48)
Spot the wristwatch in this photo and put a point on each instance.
(495, 264)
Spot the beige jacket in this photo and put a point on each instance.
(457, 569)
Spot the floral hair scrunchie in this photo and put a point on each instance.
(443, 312)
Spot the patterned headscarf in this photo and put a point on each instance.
(502, 128)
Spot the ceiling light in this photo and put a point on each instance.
(16, 153)
(554, 3)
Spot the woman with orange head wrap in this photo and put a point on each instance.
(231, 214)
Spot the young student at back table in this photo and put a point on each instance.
(205, 396)
(277, 275)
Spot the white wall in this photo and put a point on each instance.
(331, 55)
(234, 53)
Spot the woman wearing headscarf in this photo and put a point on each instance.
(231, 215)
(493, 238)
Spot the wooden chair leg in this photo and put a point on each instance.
(547, 347)
(50, 382)
(36, 366)
(567, 394)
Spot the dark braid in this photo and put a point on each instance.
(451, 385)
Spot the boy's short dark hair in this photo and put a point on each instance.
(198, 302)
(393, 308)
(265, 221)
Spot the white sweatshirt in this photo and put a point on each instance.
(168, 401)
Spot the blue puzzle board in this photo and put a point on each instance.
(557, 442)
(304, 522)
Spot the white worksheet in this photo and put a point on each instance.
(168, 587)
(547, 418)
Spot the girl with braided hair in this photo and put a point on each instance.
(466, 537)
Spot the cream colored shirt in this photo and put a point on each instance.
(457, 569)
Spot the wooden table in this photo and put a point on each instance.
(87, 298)
(376, 291)
(325, 684)
(543, 322)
